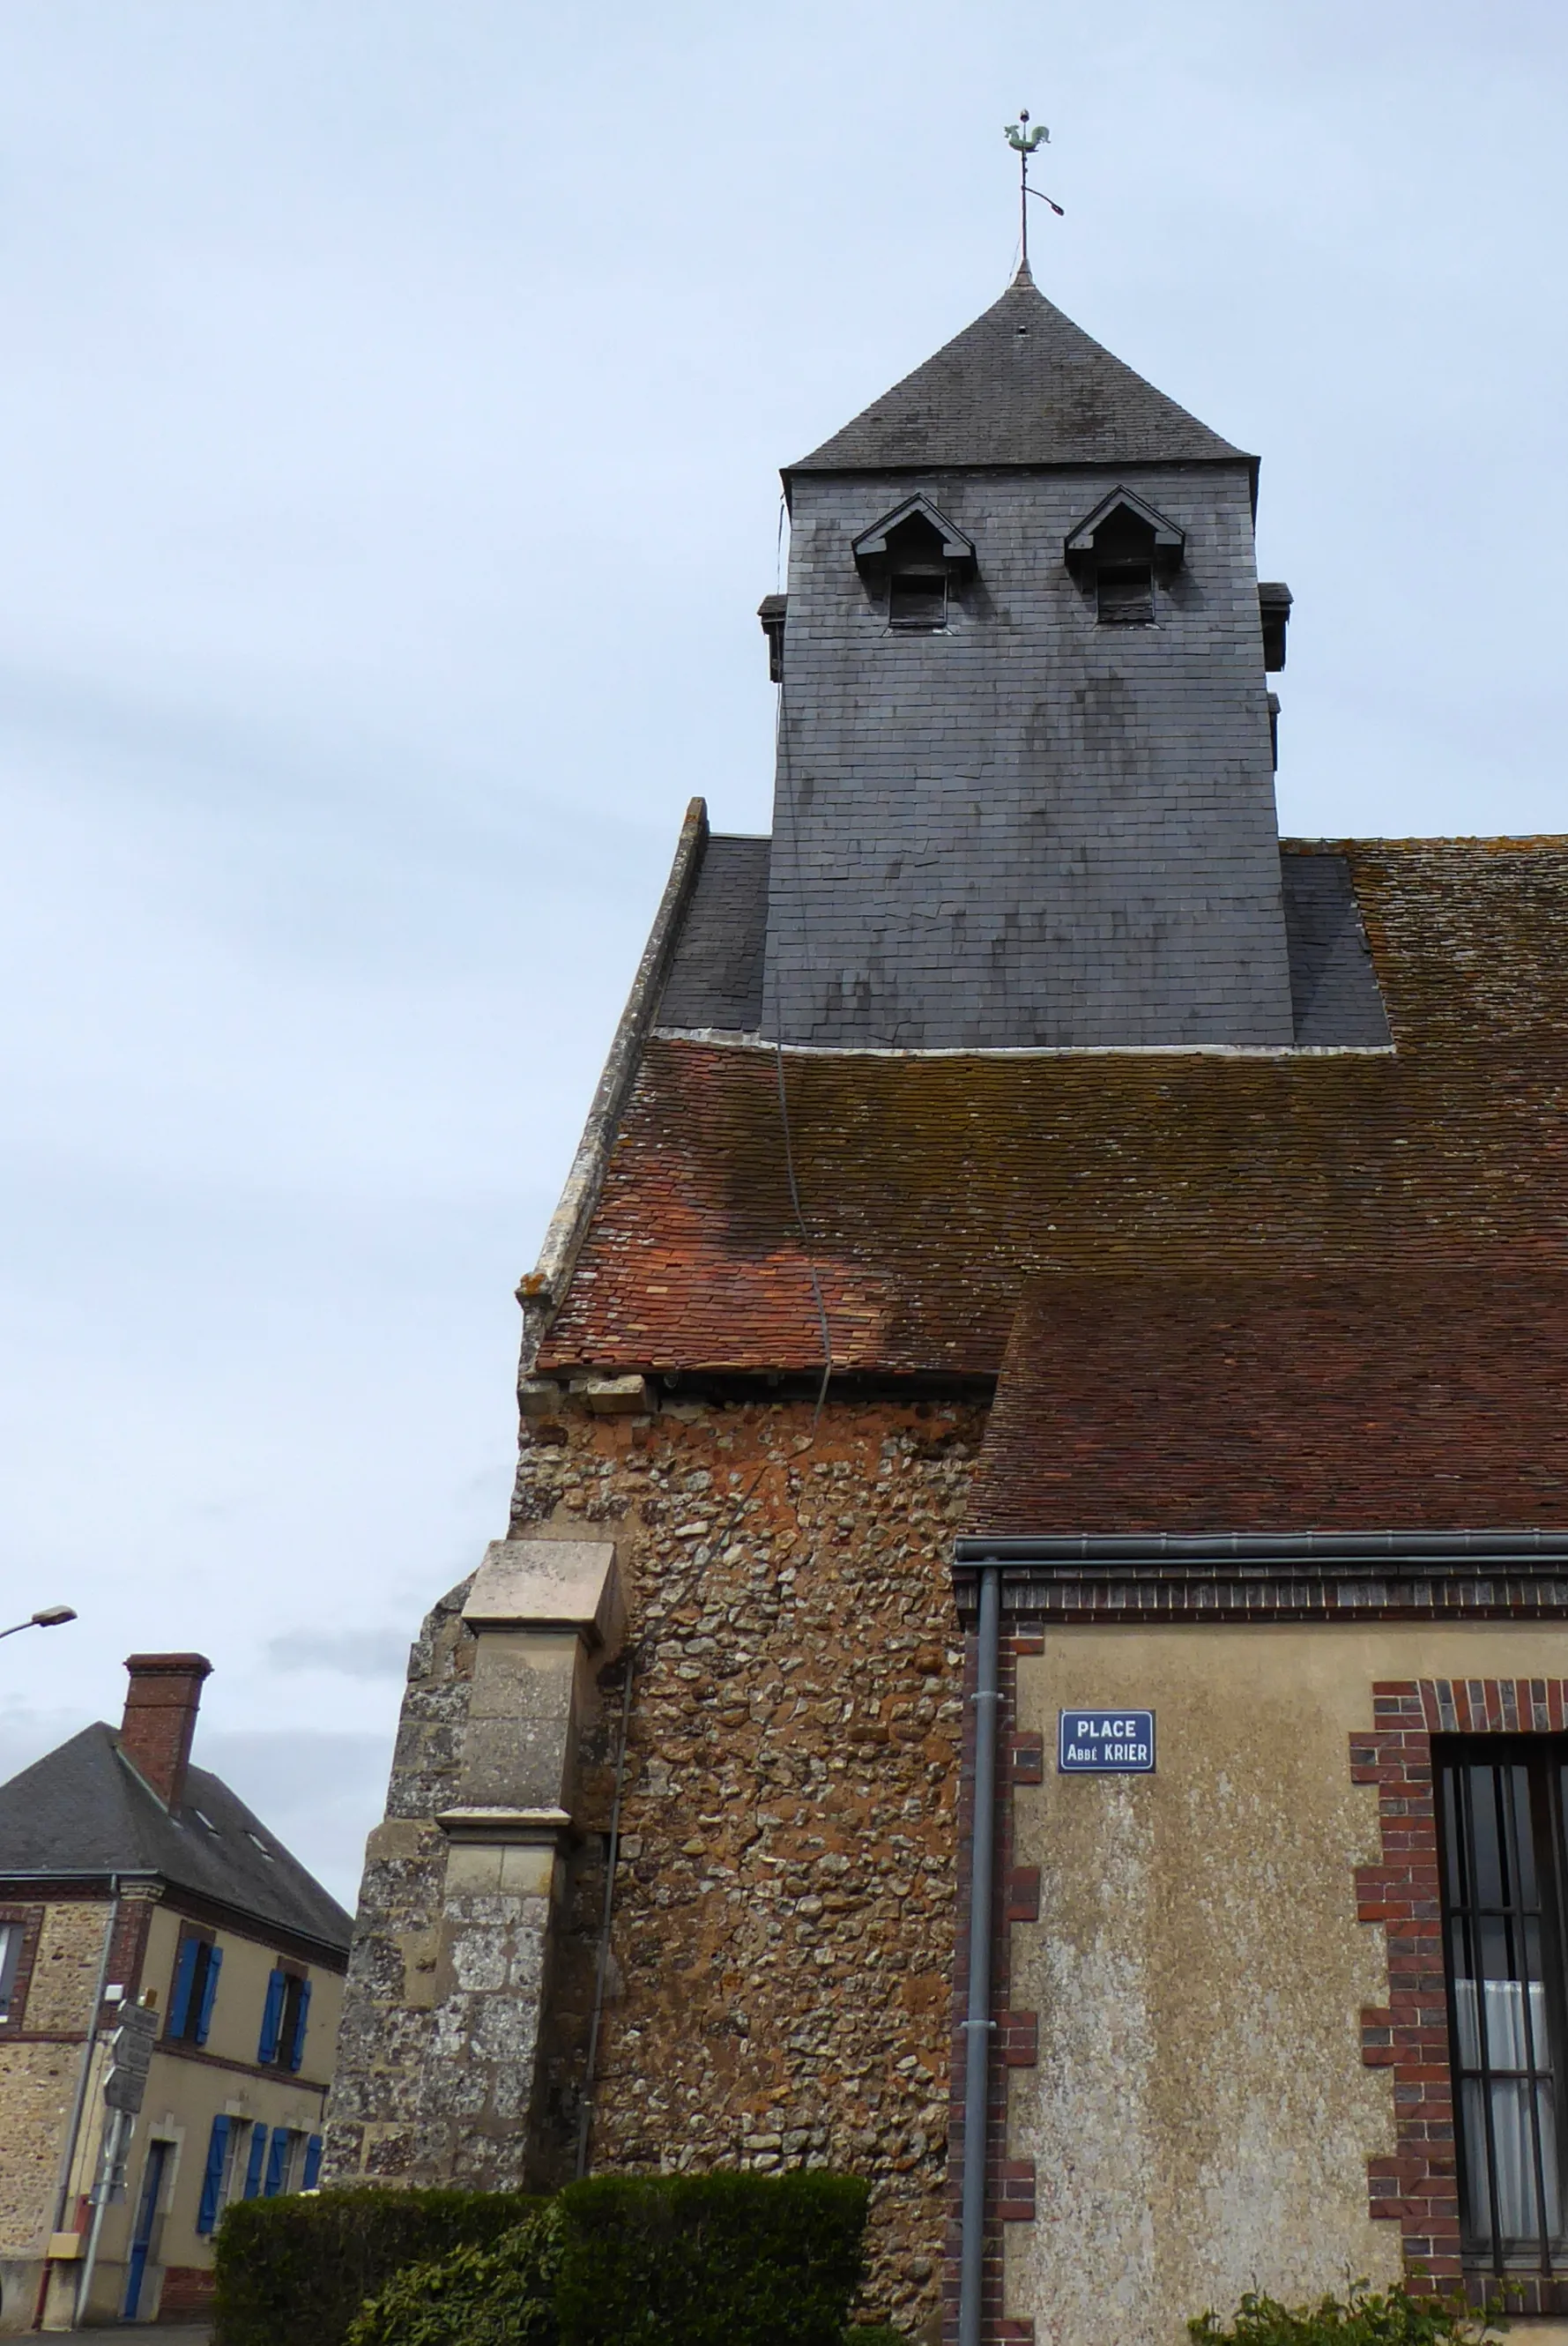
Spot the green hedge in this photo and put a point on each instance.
(294, 2271)
(710, 2259)
(632, 2260)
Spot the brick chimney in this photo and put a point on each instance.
(161, 1703)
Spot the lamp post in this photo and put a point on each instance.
(51, 1617)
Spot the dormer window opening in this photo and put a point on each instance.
(1125, 593)
(1119, 552)
(917, 598)
(912, 562)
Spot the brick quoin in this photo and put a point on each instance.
(1418, 2187)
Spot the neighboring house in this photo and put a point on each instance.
(127, 1874)
(1043, 1247)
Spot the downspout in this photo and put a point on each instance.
(977, 2025)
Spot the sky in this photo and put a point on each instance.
(391, 411)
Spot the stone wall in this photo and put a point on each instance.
(65, 1967)
(36, 2082)
(779, 1984)
(39, 2072)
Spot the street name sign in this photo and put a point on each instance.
(1105, 1741)
(130, 2057)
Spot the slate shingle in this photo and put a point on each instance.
(1021, 385)
(83, 1809)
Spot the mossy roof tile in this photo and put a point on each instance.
(934, 1189)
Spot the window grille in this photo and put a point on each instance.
(1504, 1880)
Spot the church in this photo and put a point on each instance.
(1030, 1654)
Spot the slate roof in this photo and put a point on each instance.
(716, 970)
(83, 1809)
(1433, 1397)
(715, 978)
(1021, 385)
(936, 1186)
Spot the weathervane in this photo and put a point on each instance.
(1019, 137)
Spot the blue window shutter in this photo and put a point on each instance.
(257, 2153)
(212, 2178)
(271, 2019)
(313, 2162)
(179, 1994)
(275, 2161)
(297, 2050)
(208, 1989)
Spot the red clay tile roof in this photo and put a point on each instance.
(935, 1188)
(1431, 1398)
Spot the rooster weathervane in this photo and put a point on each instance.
(1024, 142)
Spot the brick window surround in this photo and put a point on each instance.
(28, 1919)
(1418, 2187)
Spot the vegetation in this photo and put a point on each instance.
(620, 2260)
(295, 2271)
(1363, 2317)
(710, 2259)
(504, 2296)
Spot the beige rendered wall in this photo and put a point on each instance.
(185, 2094)
(1200, 2117)
(187, 2091)
(235, 2028)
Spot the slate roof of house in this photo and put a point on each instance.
(83, 1809)
(935, 1188)
(1021, 385)
(1431, 1397)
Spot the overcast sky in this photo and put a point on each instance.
(392, 402)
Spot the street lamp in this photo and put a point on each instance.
(50, 1617)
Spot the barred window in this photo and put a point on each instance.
(1504, 1872)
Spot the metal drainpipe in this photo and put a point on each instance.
(977, 2026)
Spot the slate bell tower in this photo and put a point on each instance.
(1025, 795)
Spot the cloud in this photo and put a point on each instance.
(352, 1653)
(317, 1792)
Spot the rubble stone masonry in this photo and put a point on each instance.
(780, 1978)
(38, 2071)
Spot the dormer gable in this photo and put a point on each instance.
(914, 557)
(900, 532)
(1122, 524)
(1119, 552)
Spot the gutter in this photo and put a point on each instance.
(1263, 1547)
(977, 2021)
(542, 1290)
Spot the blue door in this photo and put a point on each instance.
(145, 2219)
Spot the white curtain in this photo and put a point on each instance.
(1501, 2005)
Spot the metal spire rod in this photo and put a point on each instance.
(1024, 142)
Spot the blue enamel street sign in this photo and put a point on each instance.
(1105, 1742)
